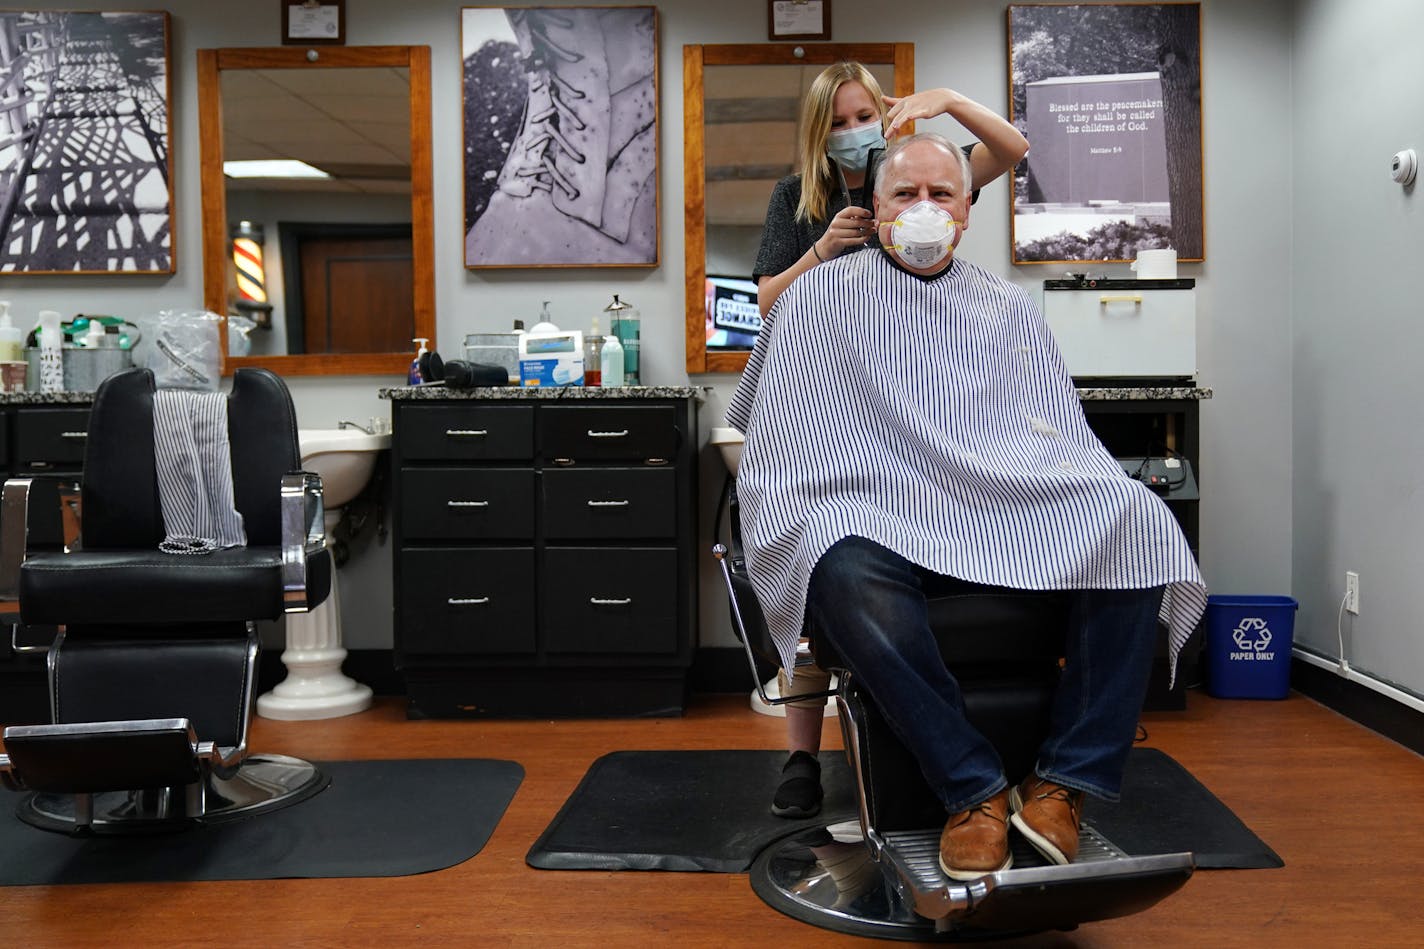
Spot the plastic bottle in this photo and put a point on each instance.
(592, 352)
(51, 341)
(415, 376)
(623, 321)
(546, 322)
(12, 343)
(612, 357)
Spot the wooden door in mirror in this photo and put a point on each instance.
(324, 344)
(758, 98)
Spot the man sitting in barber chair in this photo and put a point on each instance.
(909, 422)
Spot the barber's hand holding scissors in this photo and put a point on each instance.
(852, 227)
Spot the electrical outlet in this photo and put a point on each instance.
(1352, 592)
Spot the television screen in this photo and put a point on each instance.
(733, 317)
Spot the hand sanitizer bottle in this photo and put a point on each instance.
(415, 377)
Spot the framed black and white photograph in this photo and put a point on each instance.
(561, 136)
(1109, 97)
(86, 183)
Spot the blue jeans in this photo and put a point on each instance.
(869, 603)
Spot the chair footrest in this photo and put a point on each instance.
(1102, 883)
(89, 757)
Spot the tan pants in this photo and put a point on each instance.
(808, 680)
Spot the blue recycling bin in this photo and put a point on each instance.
(1248, 645)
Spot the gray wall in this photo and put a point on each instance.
(1356, 341)
(1292, 497)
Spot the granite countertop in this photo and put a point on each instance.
(1143, 393)
(572, 393)
(435, 392)
(46, 398)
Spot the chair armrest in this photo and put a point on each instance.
(303, 534)
(36, 512)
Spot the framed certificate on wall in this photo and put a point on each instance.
(313, 22)
(798, 19)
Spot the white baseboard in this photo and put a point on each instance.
(1354, 675)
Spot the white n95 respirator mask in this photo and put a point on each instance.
(923, 235)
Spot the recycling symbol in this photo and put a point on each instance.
(1252, 633)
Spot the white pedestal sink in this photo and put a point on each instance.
(315, 686)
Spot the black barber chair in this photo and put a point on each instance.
(153, 675)
(1003, 647)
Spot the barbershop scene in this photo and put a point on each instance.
(769, 473)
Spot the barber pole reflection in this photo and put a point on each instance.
(247, 239)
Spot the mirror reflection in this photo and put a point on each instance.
(317, 175)
(741, 107)
(317, 222)
(751, 115)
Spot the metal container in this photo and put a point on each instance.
(84, 369)
(494, 349)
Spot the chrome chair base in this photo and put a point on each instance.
(828, 879)
(263, 783)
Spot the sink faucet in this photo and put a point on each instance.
(368, 431)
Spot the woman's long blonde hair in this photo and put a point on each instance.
(817, 178)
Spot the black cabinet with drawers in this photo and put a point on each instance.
(544, 562)
(39, 435)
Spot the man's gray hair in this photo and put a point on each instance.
(900, 144)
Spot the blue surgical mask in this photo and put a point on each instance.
(850, 148)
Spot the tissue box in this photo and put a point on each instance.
(551, 359)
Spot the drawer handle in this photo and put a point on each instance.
(602, 601)
(467, 504)
(467, 600)
(466, 432)
(1136, 298)
(609, 503)
(593, 434)
(73, 434)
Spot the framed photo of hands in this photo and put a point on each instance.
(1109, 97)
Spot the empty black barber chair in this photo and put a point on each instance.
(1003, 647)
(153, 675)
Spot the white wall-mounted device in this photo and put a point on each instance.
(1403, 167)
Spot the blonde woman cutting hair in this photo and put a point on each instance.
(815, 216)
(845, 119)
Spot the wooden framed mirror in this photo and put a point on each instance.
(347, 257)
(740, 108)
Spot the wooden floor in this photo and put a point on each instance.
(1333, 799)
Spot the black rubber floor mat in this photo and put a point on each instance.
(711, 811)
(1166, 810)
(377, 819)
(680, 810)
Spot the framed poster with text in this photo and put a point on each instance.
(1109, 97)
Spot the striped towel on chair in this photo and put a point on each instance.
(194, 465)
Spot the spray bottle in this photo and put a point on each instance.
(51, 356)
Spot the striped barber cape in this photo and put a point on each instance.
(935, 417)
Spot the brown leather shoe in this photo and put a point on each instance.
(1048, 815)
(976, 841)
